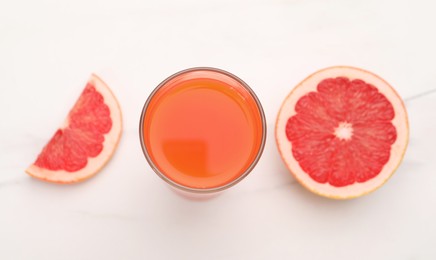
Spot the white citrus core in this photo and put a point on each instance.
(343, 131)
(110, 143)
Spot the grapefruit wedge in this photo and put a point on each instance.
(342, 132)
(87, 139)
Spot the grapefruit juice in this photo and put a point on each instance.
(202, 130)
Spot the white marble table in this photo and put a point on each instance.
(49, 48)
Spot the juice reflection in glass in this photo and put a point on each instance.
(202, 130)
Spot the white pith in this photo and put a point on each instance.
(397, 149)
(344, 131)
(109, 145)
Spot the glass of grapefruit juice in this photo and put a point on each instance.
(202, 130)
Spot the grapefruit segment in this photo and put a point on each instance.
(342, 132)
(87, 139)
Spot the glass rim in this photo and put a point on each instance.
(244, 174)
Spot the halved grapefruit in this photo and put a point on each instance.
(342, 132)
(87, 139)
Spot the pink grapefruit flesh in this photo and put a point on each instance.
(342, 132)
(87, 139)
